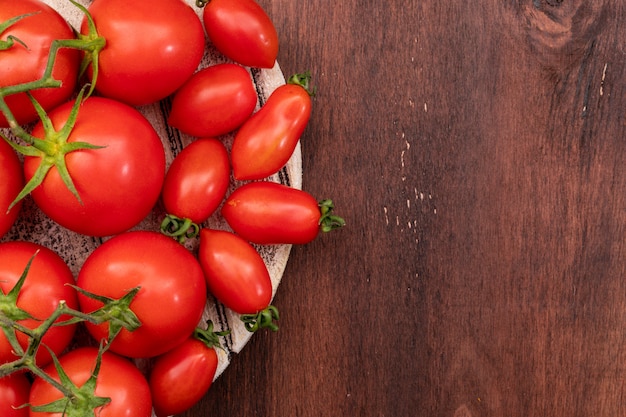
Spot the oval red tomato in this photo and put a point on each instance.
(11, 184)
(14, 392)
(214, 101)
(47, 283)
(266, 141)
(197, 180)
(235, 272)
(242, 31)
(118, 379)
(118, 183)
(152, 48)
(20, 64)
(172, 295)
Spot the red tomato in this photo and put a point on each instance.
(20, 64)
(118, 184)
(152, 48)
(214, 101)
(172, 295)
(197, 180)
(11, 184)
(268, 213)
(180, 378)
(266, 141)
(242, 31)
(235, 272)
(118, 379)
(14, 391)
(45, 286)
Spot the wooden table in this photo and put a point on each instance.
(477, 152)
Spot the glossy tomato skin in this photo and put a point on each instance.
(182, 376)
(235, 272)
(20, 65)
(152, 48)
(271, 213)
(118, 183)
(242, 31)
(197, 180)
(118, 379)
(47, 283)
(14, 392)
(171, 299)
(266, 141)
(11, 184)
(214, 101)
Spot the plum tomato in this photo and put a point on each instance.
(152, 48)
(11, 184)
(214, 101)
(171, 298)
(46, 285)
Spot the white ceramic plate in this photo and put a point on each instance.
(34, 226)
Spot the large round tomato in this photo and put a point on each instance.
(118, 379)
(14, 391)
(241, 30)
(152, 48)
(169, 304)
(11, 184)
(118, 184)
(45, 286)
(25, 61)
(214, 101)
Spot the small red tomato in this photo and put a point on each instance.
(269, 213)
(11, 184)
(214, 101)
(14, 391)
(235, 272)
(242, 31)
(197, 180)
(266, 141)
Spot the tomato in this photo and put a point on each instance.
(118, 379)
(269, 213)
(242, 31)
(235, 272)
(14, 391)
(152, 48)
(11, 184)
(266, 141)
(45, 286)
(214, 101)
(180, 378)
(172, 295)
(21, 64)
(118, 184)
(197, 180)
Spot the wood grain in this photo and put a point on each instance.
(477, 152)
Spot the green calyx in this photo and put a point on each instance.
(328, 221)
(178, 228)
(11, 40)
(303, 80)
(210, 337)
(264, 319)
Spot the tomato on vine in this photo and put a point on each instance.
(10, 186)
(14, 393)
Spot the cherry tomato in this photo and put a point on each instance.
(214, 101)
(197, 180)
(45, 286)
(14, 392)
(266, 141)
(152, 48)
(118, 379)
(235, 272)
(242, 31)
(170, 302)
(180, 378)
(269, 213)
(25, 61)
(118, 184)
(11, 184)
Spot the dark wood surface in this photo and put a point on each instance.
(477, 151)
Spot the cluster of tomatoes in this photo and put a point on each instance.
(96, 166)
